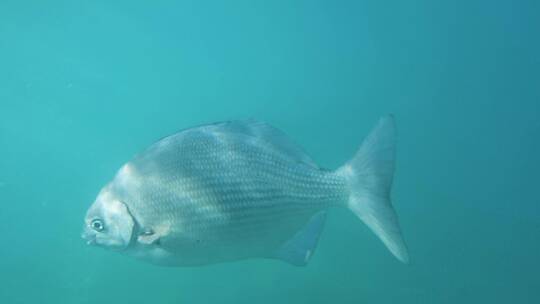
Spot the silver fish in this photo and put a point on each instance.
(238, 190)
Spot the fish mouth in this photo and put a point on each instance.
(90, 238)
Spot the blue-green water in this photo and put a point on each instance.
(84, 85)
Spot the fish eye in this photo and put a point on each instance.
(97, 225)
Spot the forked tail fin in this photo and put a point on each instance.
(369, 177)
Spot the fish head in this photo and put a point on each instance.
(108, 223)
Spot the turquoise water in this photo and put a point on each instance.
(84, 85)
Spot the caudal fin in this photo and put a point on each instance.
(369, 176)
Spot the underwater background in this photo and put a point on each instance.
(84, 85)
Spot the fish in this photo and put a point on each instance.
(239, 190)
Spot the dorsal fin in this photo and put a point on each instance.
(265, 132)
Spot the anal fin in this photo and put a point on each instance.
(299, 249)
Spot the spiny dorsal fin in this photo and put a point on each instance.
(267, 133)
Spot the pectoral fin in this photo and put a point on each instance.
(149, 237)
(299, 249)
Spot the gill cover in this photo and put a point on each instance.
(118, 224)
(120, 221)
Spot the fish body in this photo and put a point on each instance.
(238, 190)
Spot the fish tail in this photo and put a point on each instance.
(369, 177)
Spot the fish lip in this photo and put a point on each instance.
(89, 238)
